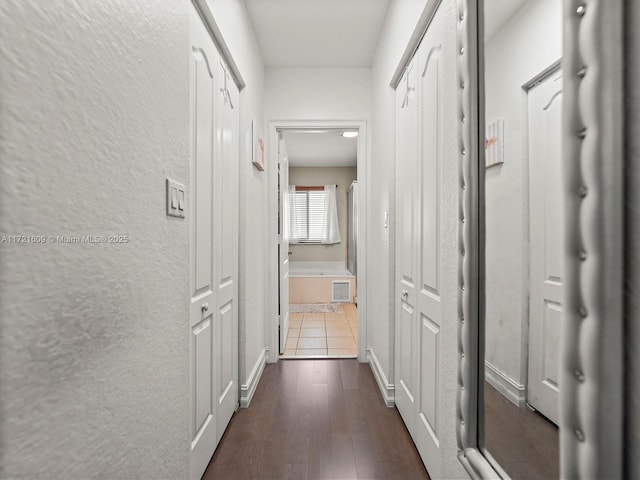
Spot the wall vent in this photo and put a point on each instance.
(341, 292)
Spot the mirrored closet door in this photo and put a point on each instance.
(522, 311)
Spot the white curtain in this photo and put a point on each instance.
(331, 232)
(313, 216)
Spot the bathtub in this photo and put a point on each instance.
(321, 282)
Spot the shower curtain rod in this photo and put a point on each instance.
(307, 188)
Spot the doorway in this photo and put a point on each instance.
(317, 174)
(317, 301)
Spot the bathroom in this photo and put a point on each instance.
(321, 224)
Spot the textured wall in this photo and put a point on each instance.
(400, 23)
(632, 254)
(341, 176)
(94, 370)
(237, 30)
(530, 42)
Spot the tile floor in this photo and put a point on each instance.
(316, 334)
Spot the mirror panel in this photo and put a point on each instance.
(523, 275)
(591, 309)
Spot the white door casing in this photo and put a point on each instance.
(273, 280)
(546, 244)
(283, 245)
(202, 318)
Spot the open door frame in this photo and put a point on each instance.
(283, 244)
(272, 321)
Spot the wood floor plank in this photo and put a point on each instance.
(525, 444)
(313, 420)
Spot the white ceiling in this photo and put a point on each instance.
(317, 33)
(497, 13)
(328, 149)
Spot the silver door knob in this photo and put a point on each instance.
(205, 307)
(405, 294)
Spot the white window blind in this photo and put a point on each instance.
(313, 216)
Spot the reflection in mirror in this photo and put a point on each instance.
(524, 235)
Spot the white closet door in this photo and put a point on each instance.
(546, 244)
(429, 201)
(202, 318)
(419, 164)
(406, 390)
(226, 253)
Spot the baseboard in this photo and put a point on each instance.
(386, 389)
(513, 391)
(247, 390)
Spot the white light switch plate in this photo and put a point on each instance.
(176, 194)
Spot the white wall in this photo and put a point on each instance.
(94, 361)
(317, 94)
(313, 176)
(236, 28)
(523, 48)
(312, 94)
(401, 22)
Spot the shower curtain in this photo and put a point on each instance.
(332, 229)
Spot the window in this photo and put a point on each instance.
(313, 215)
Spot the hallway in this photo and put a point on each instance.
(144, 250)
(316, 419)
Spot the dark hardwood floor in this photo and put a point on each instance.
(316, 419)
(523, 442)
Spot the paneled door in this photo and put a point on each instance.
(419, 163)
(202, 284)
(226, 198)
(283, 239)
(546, 244)
(428, 232)
(406, 329)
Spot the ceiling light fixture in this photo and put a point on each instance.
(349, 134)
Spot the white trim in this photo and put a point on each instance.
(386, 389)
(248, 389)
(419, 31)
(515, 392)
(271, 328)
(216, 35)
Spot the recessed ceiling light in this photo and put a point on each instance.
(349, 134)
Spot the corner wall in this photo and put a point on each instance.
(94, 360)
